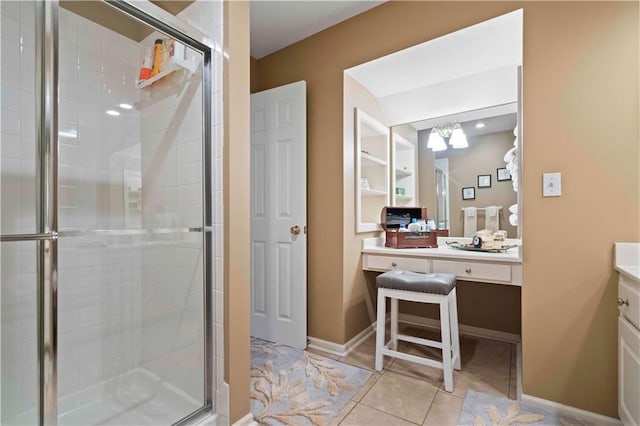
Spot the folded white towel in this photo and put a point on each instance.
(510, 155)
(492, 219)
(513, 220)
(470, 221)
(513, 208)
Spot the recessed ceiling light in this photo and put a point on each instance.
(479, 125)
(112, 112)
(125, 106)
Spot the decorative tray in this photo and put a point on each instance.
(471, 247)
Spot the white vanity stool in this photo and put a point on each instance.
(424, 288)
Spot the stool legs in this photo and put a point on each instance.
(446, 344)
(394, 324)
(455, 343)
(450, 340)
(380, 328)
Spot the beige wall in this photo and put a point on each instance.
(357, 307)
(580, 71)
(569, 339)
(483, 156)
(236, 206)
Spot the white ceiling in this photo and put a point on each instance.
(470, 69)
(277, 24)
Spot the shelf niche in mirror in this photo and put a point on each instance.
(403, 172)
(372, 171)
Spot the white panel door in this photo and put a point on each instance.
(279, 215)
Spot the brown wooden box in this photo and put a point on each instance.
(391, 218)
(426, 239)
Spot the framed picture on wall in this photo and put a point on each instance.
(503, 174)
(469, 193)
(484, 181)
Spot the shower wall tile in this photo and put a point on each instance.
(99, 295)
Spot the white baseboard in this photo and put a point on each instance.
(463, 328)
(247, 420)
(558, 408)
(341, 350)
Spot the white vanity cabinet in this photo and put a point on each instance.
(495, 268)
(628, 266)
(372, 171)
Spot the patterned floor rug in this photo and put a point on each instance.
(293, 387)
(480, 409)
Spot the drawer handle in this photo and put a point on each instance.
(394, 264)
(623, 302)
(468, 270)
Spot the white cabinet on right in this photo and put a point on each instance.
(628, 265)
(629, 373)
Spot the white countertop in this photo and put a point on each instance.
(376, 246)
(632, 272)
(628, 259)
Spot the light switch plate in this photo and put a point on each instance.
(551, 184)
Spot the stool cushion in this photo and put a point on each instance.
(413, 281)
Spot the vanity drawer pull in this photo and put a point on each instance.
(394, 264)
(468, 270)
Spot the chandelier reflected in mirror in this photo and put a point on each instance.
(450, 131)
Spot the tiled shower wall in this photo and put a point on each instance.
(17, 199)
(111, 288)
(100, 289)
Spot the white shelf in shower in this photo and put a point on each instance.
(174, 64)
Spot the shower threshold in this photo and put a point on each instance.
(137, 397)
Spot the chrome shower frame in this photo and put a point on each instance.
(46, 235)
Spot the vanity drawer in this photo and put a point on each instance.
(373, 262)
(474, 271)
(629, 294)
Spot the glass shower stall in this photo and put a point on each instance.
(105, 219)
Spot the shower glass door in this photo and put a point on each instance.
(18, 223)
(124, 270)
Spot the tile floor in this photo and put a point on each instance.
(405, 393)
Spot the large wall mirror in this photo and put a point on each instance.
(456, 99)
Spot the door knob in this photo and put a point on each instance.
(295, 230)
(623, 302)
